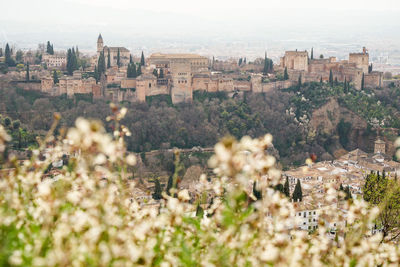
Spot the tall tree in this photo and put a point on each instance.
(157, 190)
(27, 72)
(330, 77)
(18, 56)
(118, 58)
(70, 67)
(266, 64)
(55, 77)
(139, 70)
(299, 82)
(1, 52)
(312, 52)
(362, 82)
(297, 193)
(345, 89)
(161, 75)
(240, 61)
(169, 185)
(101, 64)
(96, 74)
(370, 68)
(130, 59)
(108, 59)
(285, 74)
(7, 54)
(142, 63)
(286, 188)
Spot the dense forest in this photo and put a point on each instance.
(158, 124)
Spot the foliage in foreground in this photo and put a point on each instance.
(86, 214)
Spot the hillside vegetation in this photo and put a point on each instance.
(287, 114)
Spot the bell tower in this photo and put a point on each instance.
(100, 44)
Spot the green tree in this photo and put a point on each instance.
(118, 58)
(155, 73)
(7, 54)
(384, 193)
(240, 61)
(108, 59)
(362, 82)
(320, 80)
(331, 77)
(297, 193)
(139, 70)
(161, 75)
(347, 191)
(170, 184)
(299, 82)
(370, 68)
(157, 190)
(142, 63)
(285, 74)
(18, 56)
(130, 59)
(286, 188)
(1, 52)
(96, 74)
(27, 72)
(55, 77)
(321, 56)
(69, 62)
(101, 64)
(49, 49)
(345, 89)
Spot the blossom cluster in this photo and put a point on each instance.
(85, 213)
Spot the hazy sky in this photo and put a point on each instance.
(153, 23)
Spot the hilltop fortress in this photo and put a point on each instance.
(179, 75)
(352, 70)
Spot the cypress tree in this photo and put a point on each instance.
(330, 77)
(157, 190)
(285, 74)
(320, 80)
(130, 59)
(336, 81)
(142, 63)
(299, 82)
(118, 59)
(271, 65)
(312, 52)
(7, 54)
(286, 188)
(345, 85)
(134, 73)
(108, 59)
(240, 61)
(27, 72)
(101, 66)
(341, 187)
(297, 193)
(96, 74)
(362, 82)
(139, 70)
(161, 73)
(244, 60)
(55, 76)
(155, 73)
(1, 52)
(69, 62)
(169, 185)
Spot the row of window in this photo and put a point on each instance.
(309, 213)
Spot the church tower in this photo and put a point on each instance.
(380, 146)
(100, 44)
